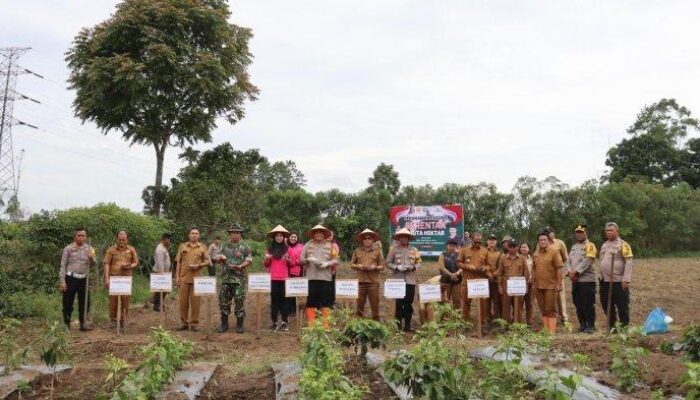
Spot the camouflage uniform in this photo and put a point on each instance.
(233, 282)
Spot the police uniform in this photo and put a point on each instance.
(75, 267)
(619, 253)
(583, 285)
(404, 262)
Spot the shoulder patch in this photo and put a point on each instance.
(626, 250)
(591, 251)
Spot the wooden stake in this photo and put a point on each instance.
(209, 317)
(518, 313)
(119, 314)
(610, 289)
(162, 311)
(478, 317)
(257, 314)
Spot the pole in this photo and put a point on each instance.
(257, 314)
(85, 302)
(610, 289)
(478, 317)
(208, 317)
(300, 313)
(162, 310)
(119, 314)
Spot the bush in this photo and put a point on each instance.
(690, 343)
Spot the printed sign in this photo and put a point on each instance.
(432, 225)
(162, 282)
(259, 283)
(517, 286)
(120, 285)
(204, 286)
(347, 288)
(477, 288)
(296, 287)
(394, 288)
(429, 292)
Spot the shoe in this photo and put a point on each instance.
(407, 326)
(194, 329)
(85, 328)
(239, 324)
(182, 328)
(224, 324)
(67, 327)
(283, 327)
(156, 309)
(590, 329)
(273, 328)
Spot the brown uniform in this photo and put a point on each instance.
(547, 266)
(190, 254)
(561, 297)
(510, 267)
(369, 281)
(493, 309)
(116, 261)
(472, 260)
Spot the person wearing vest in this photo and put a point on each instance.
(450, 274)
(319, 258)
(404, 260)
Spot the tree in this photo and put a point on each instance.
(385, 177)
(161, 72)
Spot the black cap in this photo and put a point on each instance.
(235, 228)
(548, 230)
(453, 242)
(492, 237)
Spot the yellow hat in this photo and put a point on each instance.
(278, 229)
(360, 236)
(319, 227)
(580, 228)
(404, 232)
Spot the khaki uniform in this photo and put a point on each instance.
(409, 257)
(472, 260)
(493, 310)
(619, 253)
(561, 298)
(190, 254)
(369, 281)
(583, 285)
(510, 267)
(114, 259)
(546, 263)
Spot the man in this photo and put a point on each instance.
(404, 260)
(493, 307)
(191, 257)
(368, 261)
(119, 260)
(547, 266)
(76, 260)
(472, 261)
(235, 257)
(214, 252)
(466, 239)
(161, 264)
(583, 279)
(450, 274)
(511, 265)
(615, 253)
(563, 253)
(320, 257)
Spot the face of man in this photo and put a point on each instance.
(279, 238)
(512, 249)
(166, 242)
(319, 235)
(79, 237)
(476, 239)
(368, 241)
(122, 239)
(217, 242)
(543, 241)
(451, 248)
(235, 237)
(293, 238)
(453, 232)
(491, 243)
(611, 232)
(403, 241)
(194, 235)
(580, 236)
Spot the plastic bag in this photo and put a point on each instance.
(656, 322)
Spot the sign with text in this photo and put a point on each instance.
(517, 286)
(204, 286)
(432, 225)
(394, 288)
(429, 292)
(347, 288)
(162, 282)
(259, 283)
(120, 285)
(296, 287)
(477, 288)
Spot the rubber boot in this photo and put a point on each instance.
(239, 324)
(407, 325)
(224, 324)
(553, 325)
(325, 313)
(310, 317)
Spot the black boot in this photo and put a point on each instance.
(224, 324)
(407, 325)
(239, 324)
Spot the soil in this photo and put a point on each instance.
(259, 386)
(361, 374)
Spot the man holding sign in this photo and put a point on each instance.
(76, 261)
(368, 261)
(512, 265)
(161, 264)
(235, 257)
(404, 260)
(191, 257)
(120, 260)
(472, 260)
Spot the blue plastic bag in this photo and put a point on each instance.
(656, 322)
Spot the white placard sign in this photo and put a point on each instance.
(120, 285)
(347, 288)
(394, 288)
(517, 286)
(429, 292)
(204, 286)
(296, 287)
(477, 288)
(259, 283)
(162, 282)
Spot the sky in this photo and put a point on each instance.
(446, 91)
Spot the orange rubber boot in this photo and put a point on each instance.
(325, 312)
(310, 317)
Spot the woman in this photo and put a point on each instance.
(277, 262)
(319, 257)
(294, 248)
(525, 251)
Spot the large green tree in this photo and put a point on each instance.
(161, 72)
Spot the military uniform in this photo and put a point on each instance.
(620, 254)
(472, 260)
(233, 280)
(581, 260)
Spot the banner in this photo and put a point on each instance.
(432, 225)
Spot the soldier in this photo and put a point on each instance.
(320, 257)
(76, 261)
(472, 261)
(547, 266)
(191, 257)
(450, 274)
(582, 275)
(511, 265)
(235, 256)
(214, 252)
(404, 260)
(493, 304)
(368, 261)
(617, 252)
(161, 264)
(564, 254)
(119, 260)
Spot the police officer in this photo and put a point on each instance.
(76, 260)
(583, 280)
(616, 268)
(235, 257)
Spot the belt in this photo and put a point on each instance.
(76, 275)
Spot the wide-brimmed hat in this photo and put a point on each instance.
(506, 238)
(276, 230)
(580, 228)
(235, 228)
(319, 227)
(404, 232)
(361, 236)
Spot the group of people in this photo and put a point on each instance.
(543, 269)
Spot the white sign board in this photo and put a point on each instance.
(120, 285)
(429, 292)
(347, 288)
(204, 286)
(394, 288)
(517, 286)
(259, 283)
(162, 282)
(296, 287)
(477, 288)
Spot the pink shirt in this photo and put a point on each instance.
(294, 255)
(278, 269)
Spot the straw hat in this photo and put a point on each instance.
(404, 232)
(276, 230)
(360, 236)
(319, 227)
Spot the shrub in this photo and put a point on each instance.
(690, 343)
(626, 355)
(362, 333)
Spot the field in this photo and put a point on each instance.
(672, 283)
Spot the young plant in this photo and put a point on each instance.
(575, 380)
(626, 355)
(54, 349)
(691, 381)
(364, 333)
(117, 368)
(690, 343)
(518, 339)
(12, 356)
(658, 394)
(451, 319)
(549, 386)
(23, 387)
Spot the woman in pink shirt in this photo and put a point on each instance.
(294, 249)
(277, 262)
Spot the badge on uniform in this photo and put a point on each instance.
(626, 251)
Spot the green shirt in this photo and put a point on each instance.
(236, 254)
